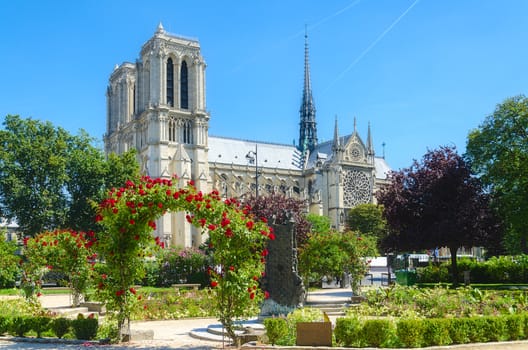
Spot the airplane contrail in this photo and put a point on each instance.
(371, 46)
(301, 32)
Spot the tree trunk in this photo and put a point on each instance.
(454, 266)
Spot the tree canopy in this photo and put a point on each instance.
(437, 203)
(278, 209)
(498, 152)
(333, 253)
(48, 177)
(368, 219)
(319, 223)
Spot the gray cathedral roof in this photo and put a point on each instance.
(226, 150)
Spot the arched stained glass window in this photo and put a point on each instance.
(170, 82)
(184, 86)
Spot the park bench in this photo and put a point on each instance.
(194, 286)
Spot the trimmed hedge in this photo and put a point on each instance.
(20, 326)
(502, 269)
(416, 332)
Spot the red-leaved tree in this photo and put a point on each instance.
(437, 203)
(279, 209)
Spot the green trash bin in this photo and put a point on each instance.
(405, 277)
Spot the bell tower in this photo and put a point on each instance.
(157, 106)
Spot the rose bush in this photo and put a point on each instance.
(236, 238)
(65, 251)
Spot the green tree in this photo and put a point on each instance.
(319, 223)
(333, 253)
(50, 179)
(368, 219)
(33, 161)
(9, 262)
(85, 180)
(121, 168)
(498, 153)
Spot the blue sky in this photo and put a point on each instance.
(423, 73)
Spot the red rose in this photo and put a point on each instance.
(214, 284)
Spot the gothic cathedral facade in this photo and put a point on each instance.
(157, 106)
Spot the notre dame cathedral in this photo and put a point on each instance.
(157, 106)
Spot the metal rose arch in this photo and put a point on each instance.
(238, 241)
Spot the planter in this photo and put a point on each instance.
(314, 334)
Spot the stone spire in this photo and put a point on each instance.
(308, 127)
(337, 147)
(160, 29)
(370, 147)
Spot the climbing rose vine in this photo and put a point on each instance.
(236, 238)
(64, 251)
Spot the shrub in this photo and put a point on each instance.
(348, 331)
(514, 326)
(436, 332)
(276, 328)
(108, 331)
(20, 325)
(377, 333)
(410, 331)
(9, 262)
(182, 265)
(477, 330)
(85, 328)
(40, 325)
(4, 324)
(496, 328)
(459, 330)
(502, 269)
(60, 326)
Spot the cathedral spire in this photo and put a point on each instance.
(308, 127)
(160, 29)
(336, 145)
(370, 146)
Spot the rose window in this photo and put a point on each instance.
(356, 188)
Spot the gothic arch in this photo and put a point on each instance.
(184, 84)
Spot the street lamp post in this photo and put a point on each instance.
(252, 156)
